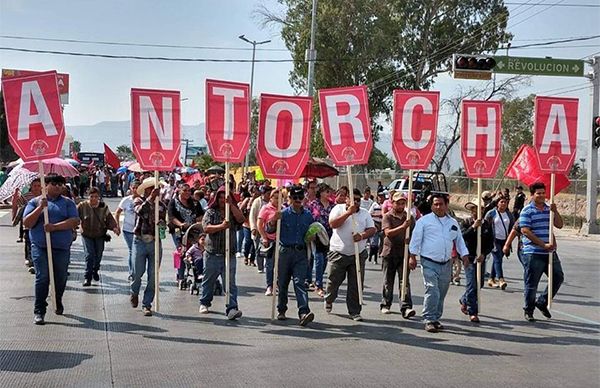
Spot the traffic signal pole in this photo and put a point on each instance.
(590, 226)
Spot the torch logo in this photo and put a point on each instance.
(226, 149)
(479, 166)
(281, 166)
(413, 158)
(157, 159)
(349, 154)
(39, 147)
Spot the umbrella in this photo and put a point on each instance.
(15, 163)
(121, 169)
(17, 179)
(72, 162)
(216, 170)
(318, 168)
(127, 163)
(53, 166)
(135, 167)
(190, 179)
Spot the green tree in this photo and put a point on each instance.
(76, 146)
(204, 162)
(124, 152)
(379, 161)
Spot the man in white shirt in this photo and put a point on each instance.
(433, 238)
(366, 202)
(341, 257)
(100, 181)
(127, 207)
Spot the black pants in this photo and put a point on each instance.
(392, 266)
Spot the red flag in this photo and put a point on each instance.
(74, 156)
(111, 158)
(178, 163)
(193, 164)
(524, 167)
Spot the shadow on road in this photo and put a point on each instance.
(36, 361)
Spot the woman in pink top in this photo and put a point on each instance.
(387, 204)
(266, 226)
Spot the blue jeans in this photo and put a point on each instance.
(292, 266)
(319, 265)
(248, 244)
(436, 278)
(102, 187)
(269, 261)
(260, 260)
(60, 260)
(128, 236)
(143, 253)
(537, 264)
(470, 296)
(239, 240)
(214, 265)
(93, 248)
(498, 256)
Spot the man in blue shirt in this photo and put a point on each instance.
(63, 218)
(534, 222)
(293, 258)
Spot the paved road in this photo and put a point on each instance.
(101, 341)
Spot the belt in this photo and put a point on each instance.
(435, 261)
(294, 246)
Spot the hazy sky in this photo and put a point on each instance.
(100, 87)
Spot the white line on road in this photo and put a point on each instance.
(577, 317)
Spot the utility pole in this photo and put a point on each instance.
(186, 141)
(311, 53)
(254, 44)
(590, 226)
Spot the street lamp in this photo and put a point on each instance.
(254, 44)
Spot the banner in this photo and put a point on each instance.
(525, 169)
(283, 135)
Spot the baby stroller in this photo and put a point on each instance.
(194, 264)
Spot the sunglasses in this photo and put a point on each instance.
(297, 197)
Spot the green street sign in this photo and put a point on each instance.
(538, 66)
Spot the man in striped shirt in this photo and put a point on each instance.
(537, 244)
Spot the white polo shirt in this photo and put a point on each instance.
(341, 241)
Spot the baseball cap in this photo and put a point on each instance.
(398, 196)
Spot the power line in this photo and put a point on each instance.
(557, 42)
(107, 43)
(581, 5)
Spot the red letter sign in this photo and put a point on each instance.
(555, 133)
(283, 135)
(480, 137)
(34, 115)
(414, 127)
(227, 120)
(346, 124)
(156, 128)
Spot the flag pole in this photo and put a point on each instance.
(156, 245)
(478, 253)
(551, 240)
(227, 238)
(276, 256)
(48, 238)
(407, 237)
(356, 253)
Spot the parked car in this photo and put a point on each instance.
(424, 184)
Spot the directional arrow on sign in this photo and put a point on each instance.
(500, 65)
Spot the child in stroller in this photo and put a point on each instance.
(194, 260)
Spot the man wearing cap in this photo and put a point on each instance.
(143, 242)
(257, 204)
(62, 219)
(217, 229)
(394, 225)
(351, 224)
(293, 258)
(433, 238)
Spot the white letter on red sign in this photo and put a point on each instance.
(30, 91)
(557, 114)
(164, 130)
(489, 131)
(271, 129)
(228, 95)
(407, 123)
(335, 119)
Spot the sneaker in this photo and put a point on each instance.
(430, 327)
(502, 284)
(60, 309)
(147, 312)
(307, 318)
(492, 283)
(328, 307)
(260, 271)
(31, 270)
(269, 291)
(385, 310)
(408, 313)
(529, 317)
(438, 326)
(130, 278)
(96, 276)
(20, 240)
(87, 282)
(203, 309)
(281, 316)
(320, 292)
(133, 299)
(234, 314)
(38, 319)
(463, 308)
(356, 317)
(544, 310)
(474, 318)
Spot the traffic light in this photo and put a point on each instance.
(472, 66)
(596, 132)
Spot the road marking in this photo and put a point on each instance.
(4, 212)
(577, 317)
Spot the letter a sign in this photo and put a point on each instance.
(34, 115)
(156, 128)
(283, 135)
(227, 120)
(346, 124)
(555, 133)
(414, 127)
(480, 137)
